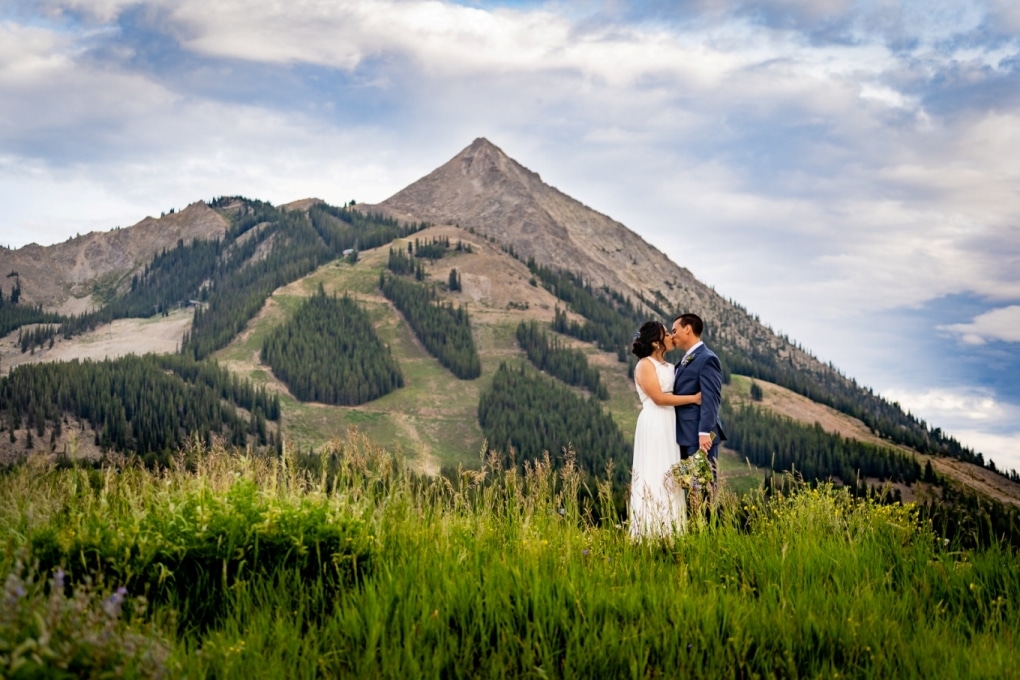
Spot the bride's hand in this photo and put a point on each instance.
(697, 399)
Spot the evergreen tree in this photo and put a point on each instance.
(770, 440)
(610, 319)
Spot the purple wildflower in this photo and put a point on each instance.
(113, 603)
(13, 589)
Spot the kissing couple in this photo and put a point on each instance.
(679, 415)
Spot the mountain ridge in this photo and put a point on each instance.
(64, 277)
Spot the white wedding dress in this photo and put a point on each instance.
(657, 504)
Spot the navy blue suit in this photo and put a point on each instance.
(702, 373)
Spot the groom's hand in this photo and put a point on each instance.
(705, 442)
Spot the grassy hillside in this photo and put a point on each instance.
(434, 416)
(356, 568)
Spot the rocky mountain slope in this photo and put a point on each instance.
(68, 277)
(483, 189)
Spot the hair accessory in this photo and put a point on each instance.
(636, 334)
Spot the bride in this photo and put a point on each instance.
(657, 504)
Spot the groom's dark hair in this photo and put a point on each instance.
(692, 320)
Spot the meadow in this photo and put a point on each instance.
(350, 564)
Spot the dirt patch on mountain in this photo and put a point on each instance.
(161, 334)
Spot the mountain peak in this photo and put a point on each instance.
(488, 164)
(484, 189)
(481, 145)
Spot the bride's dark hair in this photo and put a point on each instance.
(650, 332)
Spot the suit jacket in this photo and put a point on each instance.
(703, 373)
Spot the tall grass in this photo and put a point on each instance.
(496, 573)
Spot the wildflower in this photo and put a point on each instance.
(13, 589)
(58, 578)
(113, 603)
(585, 552)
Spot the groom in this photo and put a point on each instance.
(698, 371)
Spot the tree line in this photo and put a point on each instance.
(175, 276)
(37, 337)
(972, 521)
(781, 444)
(230, 278)
(529, 414)
(14, 315)
(329, 352)
(346, 227)
(147, 404)
(430, 250)
(402, 263)
(566, 363)
(845, 395)
(443, 329)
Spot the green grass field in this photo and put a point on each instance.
(356, 567)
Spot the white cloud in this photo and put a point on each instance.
(957, 405)
(1005, 16)
(87, 147)
(998, 324)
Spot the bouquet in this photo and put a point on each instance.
(695, 472)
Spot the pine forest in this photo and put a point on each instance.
(443, 329)
(329, 352)
(548, 354)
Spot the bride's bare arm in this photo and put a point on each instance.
(645, 376)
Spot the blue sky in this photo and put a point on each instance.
(847, 170)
